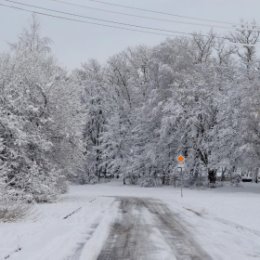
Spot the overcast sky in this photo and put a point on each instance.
(74, 43)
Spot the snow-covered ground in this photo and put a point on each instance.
(224, 221)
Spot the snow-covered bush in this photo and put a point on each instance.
(236, 180)
(148, 181)
(13, 205)
(12, 211)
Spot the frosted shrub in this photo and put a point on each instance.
(148, 181)
(62, 184)
(12, 211)
(236, 180)
(13, 206)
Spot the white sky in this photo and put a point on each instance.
(74, 43)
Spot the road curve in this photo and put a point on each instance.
(148, 230)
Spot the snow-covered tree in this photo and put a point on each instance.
(27, 164)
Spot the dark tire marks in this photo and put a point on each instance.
(77, 254)
(131, 236)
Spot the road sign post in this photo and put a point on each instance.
(181, 162)
(181, 182)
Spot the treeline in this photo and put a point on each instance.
(197, 96)
(130, 117)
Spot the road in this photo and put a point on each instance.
(148, 230)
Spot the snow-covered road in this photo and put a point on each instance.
(113, 221)
(148, 230)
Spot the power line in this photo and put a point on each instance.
(107, 21)
(161, 12)
(79, 21)
(233, 24)
(161, 33)
(139, 16)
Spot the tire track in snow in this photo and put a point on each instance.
(78, 251)
(131, 236)
(76, 255)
